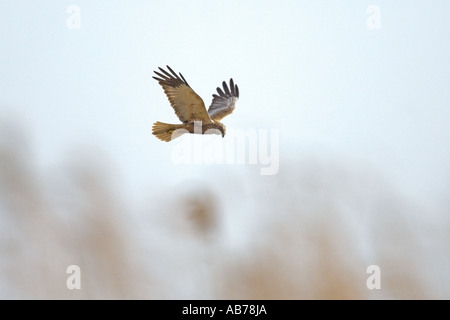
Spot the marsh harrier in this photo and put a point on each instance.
(190, 108)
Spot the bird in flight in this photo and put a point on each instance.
(190, 108)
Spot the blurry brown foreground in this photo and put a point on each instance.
(309, 232)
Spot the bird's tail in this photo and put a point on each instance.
(167, 131)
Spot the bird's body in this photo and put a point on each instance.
(190, 108)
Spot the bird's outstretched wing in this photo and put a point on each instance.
(224, 103)
(187, 104)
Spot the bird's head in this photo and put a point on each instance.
(214, 128)
(221, 128)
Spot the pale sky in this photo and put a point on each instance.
(376, 97)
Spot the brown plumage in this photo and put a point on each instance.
(190, 108)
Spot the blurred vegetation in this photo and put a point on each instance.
(309, 232)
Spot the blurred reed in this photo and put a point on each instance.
(307, 233)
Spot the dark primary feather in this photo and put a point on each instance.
(224, 103)
(172, 80)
